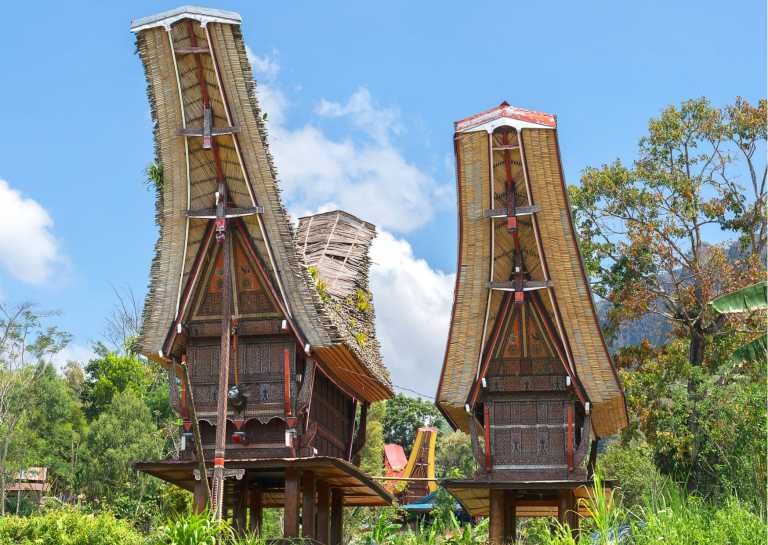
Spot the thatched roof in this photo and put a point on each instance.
(334, 246)
(551, 253)
(167, 44)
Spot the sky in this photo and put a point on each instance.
(361, 99)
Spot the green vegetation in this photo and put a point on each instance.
(691, 464)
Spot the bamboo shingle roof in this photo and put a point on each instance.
(171, 45)
(552, 259)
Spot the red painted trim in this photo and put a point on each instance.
(189, 288)
(570, 437)
(487, 426)
(501, 317)
(253, 254)
(218, 462)
(553, 337)
(287, 381)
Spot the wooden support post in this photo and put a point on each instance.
(201, 497)
(337, 516)
(496, 522)
(562, 506)
(239, 506)
(510, 516)
(567, 510)
(256, 515)
(323, 512)
(291, 508)
(308, 490)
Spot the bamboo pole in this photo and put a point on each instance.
(196, 430)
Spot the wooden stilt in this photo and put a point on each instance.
(510, 516)
(337, 516)
(562, 507)
(496, 523)
(201, 497)
(256, 514)
(291, 508)
(323, 512)
(308, 490)
(239, 506)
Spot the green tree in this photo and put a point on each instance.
(644, 237)
(454, 455)
(53, 431)
(404, 415)
(372, 455)
(112, 373)
(124, 433)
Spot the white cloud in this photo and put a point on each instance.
(364, 173)
(73, 352)
(360, 109)
(28, 249)
(369, 176)
(413, 308)
(266, 66)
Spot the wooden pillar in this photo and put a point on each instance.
(256, 515)
(323, 512)
(308, 504)
(510, 516)
(567, 510)
(200, 499)
(337, 516)
(291, 508)
(496, 522)
(239, 506)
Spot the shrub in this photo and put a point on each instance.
(67, 526)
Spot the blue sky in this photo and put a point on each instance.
(361, 97)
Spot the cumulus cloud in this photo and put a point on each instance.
(28, 249)
(73, 352)
(266, 66)
(363, 172)
(413, 308)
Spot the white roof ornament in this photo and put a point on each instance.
(203, 15)
(505, 115)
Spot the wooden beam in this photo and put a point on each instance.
(337, 516)
(322, 531)
(223, 386)
(291, 507)
(498, 213)
(180, 50)
(496, 515)
(308, 490)
(229, 212)
(528, 285)
(510, 516)
(256, 508)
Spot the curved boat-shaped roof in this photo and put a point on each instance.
(203, 101)
(525, 143)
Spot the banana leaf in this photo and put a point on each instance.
(752, 351)
(754, 297)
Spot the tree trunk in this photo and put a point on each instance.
(3, 458)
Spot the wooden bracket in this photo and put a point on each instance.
(503, 213)
(528, 285)
(229, 212)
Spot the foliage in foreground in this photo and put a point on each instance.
(68, 526)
